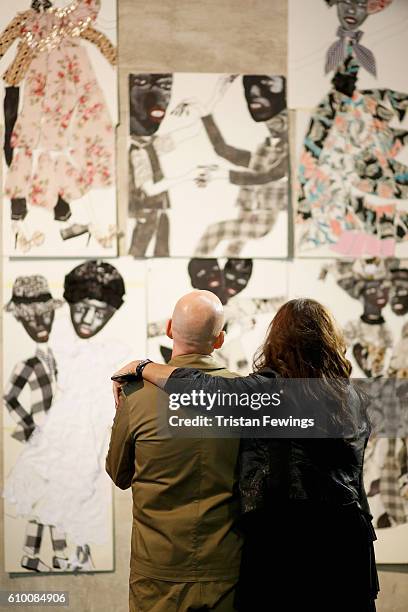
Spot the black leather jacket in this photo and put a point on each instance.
(272, 470)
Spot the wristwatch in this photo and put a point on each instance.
(141, 367)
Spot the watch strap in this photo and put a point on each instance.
(141, 366)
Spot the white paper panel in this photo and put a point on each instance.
(184, 149)
(61, 466)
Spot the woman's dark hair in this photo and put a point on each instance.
(304, 342)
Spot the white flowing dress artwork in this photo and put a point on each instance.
(368, 298)
(251, 292)
(208, 165)
(58, 66)
(56, 478)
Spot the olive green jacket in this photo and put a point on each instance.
(185, 503)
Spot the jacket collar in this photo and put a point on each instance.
(201, 362)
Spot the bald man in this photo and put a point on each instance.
(185, 551)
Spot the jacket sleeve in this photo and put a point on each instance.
(120, 460)
(102, 42)
(18, 380)
(11, 33)
(254, 177)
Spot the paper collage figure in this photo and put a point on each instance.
(34, 307)
(351, 101)
(55, 479)
(208, 165)
(368, 298)
(352, 174)
(59, 134)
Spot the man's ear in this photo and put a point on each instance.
(169, 332)
(219, 340)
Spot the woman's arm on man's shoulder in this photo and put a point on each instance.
(186, 380)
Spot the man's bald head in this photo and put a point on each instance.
(197, 322)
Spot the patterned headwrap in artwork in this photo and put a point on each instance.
(399, 266)
(95, 280)
(373, 6)
(31, 295)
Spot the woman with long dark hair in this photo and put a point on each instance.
(309, 539)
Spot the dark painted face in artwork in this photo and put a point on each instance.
(375, 295)
(399, 292)
(206, 274)
(89, 316)
(265, 96)
(38, 326)
(149, 98)
(237, 273)
(352, 13)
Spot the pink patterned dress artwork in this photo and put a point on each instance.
(63, 140)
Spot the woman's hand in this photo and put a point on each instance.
(155, 373)
(116, 390)
(129, 368)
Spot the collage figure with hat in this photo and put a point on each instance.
(379, 355)
(369, 300)
(34, 307)
(56, 478)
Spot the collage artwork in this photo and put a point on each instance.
(257, 187)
